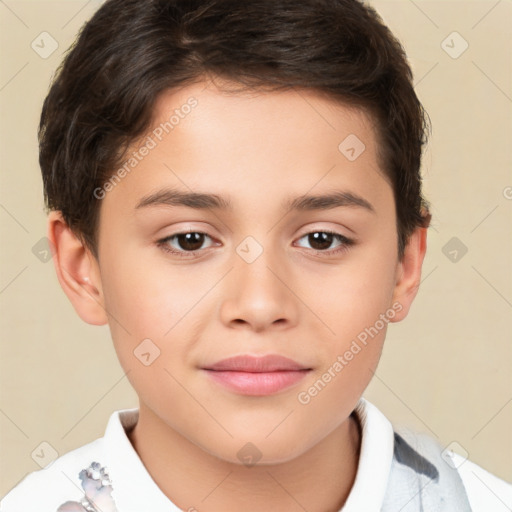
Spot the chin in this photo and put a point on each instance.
(256, 452)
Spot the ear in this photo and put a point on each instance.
(77, 270)
(408, 272)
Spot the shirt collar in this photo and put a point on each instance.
(375, 459)
(135, 490)
(133, 487)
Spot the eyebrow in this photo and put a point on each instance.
(203, 201)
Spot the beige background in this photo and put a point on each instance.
(446, 370)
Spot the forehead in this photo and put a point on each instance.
(266, 116)
(241, 144)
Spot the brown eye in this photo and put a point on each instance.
(184, 244)
(321, 241)
(190, 241)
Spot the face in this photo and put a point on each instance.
(286, 245)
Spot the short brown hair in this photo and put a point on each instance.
(103, 94)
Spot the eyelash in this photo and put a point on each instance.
(346, 243)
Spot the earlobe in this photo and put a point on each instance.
(408, 274)
(77, 271)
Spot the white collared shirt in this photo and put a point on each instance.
(391, 466)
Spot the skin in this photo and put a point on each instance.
(258, 149)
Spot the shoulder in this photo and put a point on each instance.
(76, 477)
(485, 490)
(418, 473)
(59, 482)
(446, 477)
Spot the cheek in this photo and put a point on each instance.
(358, 313)
(357, 292)
(159, 302)
(141, 304)
(356, 304)
(148, 313)
(149, 297)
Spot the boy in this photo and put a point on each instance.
(286, 137)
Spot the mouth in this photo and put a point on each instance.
(257, 376)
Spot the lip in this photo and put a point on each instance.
(257, 376)
(257, 364)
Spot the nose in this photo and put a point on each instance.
(259, 293)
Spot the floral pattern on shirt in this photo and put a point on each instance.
(98, 492)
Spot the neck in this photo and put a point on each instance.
(193, 479)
